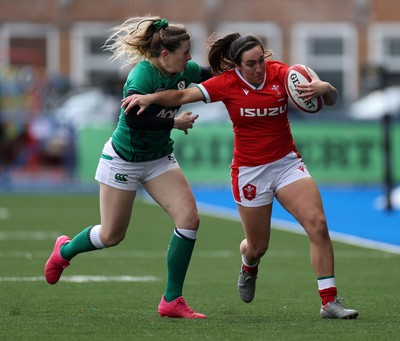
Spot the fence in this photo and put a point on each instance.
(335, 152)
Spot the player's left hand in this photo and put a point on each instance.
(184, 121)
(131, 101)
(315, 88)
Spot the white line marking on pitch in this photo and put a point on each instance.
(85, 279)
(198, 254)
(28, 235)
(118, 254)
(227, 213)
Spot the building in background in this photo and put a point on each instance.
(49, 47)
(355, 44)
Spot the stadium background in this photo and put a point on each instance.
(59, 101)
(59, 95)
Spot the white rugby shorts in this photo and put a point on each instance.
(256, 186)
(118, 173)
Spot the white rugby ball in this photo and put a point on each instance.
(297, 74)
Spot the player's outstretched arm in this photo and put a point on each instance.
(169, 98)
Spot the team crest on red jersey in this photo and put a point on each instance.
(249, 191)
(276, 88)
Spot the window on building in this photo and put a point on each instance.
(326, 46)
(331, 50)
(384, 51)
(33, 45)
(269, 33)
(90, 65)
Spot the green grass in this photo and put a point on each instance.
(286, 306)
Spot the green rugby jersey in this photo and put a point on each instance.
(146, 145)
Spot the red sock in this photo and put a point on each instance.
(327, 295)
(252, 271)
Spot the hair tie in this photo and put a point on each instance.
(159, 24)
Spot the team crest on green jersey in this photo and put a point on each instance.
(181, 85)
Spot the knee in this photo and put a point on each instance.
(259, 251)
(191, 221)
(254, 249)
(194, 223)
(112, 239)
(318, 228)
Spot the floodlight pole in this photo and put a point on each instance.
(387, 152)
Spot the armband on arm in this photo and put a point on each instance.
(146, 121)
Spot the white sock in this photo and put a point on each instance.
(325, 283)
(190, 234)
(95, 237)
(247, 264)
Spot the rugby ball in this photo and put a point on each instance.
(297, 74)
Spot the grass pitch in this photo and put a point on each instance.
(113, 294)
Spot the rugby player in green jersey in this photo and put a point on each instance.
(140, 152)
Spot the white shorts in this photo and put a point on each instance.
(256, 186)
(118, 173)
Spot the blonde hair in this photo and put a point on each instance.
(141, 38)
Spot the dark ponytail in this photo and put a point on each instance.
(219, 54)
(225, 53)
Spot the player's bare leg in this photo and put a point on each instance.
(256, 227)
(115, 210)
(173, 193)
(303, 200)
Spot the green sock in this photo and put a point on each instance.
(178, 259)
(80, 243)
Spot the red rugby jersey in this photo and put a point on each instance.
(259, 115)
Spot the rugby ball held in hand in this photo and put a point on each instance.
(297, 74)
